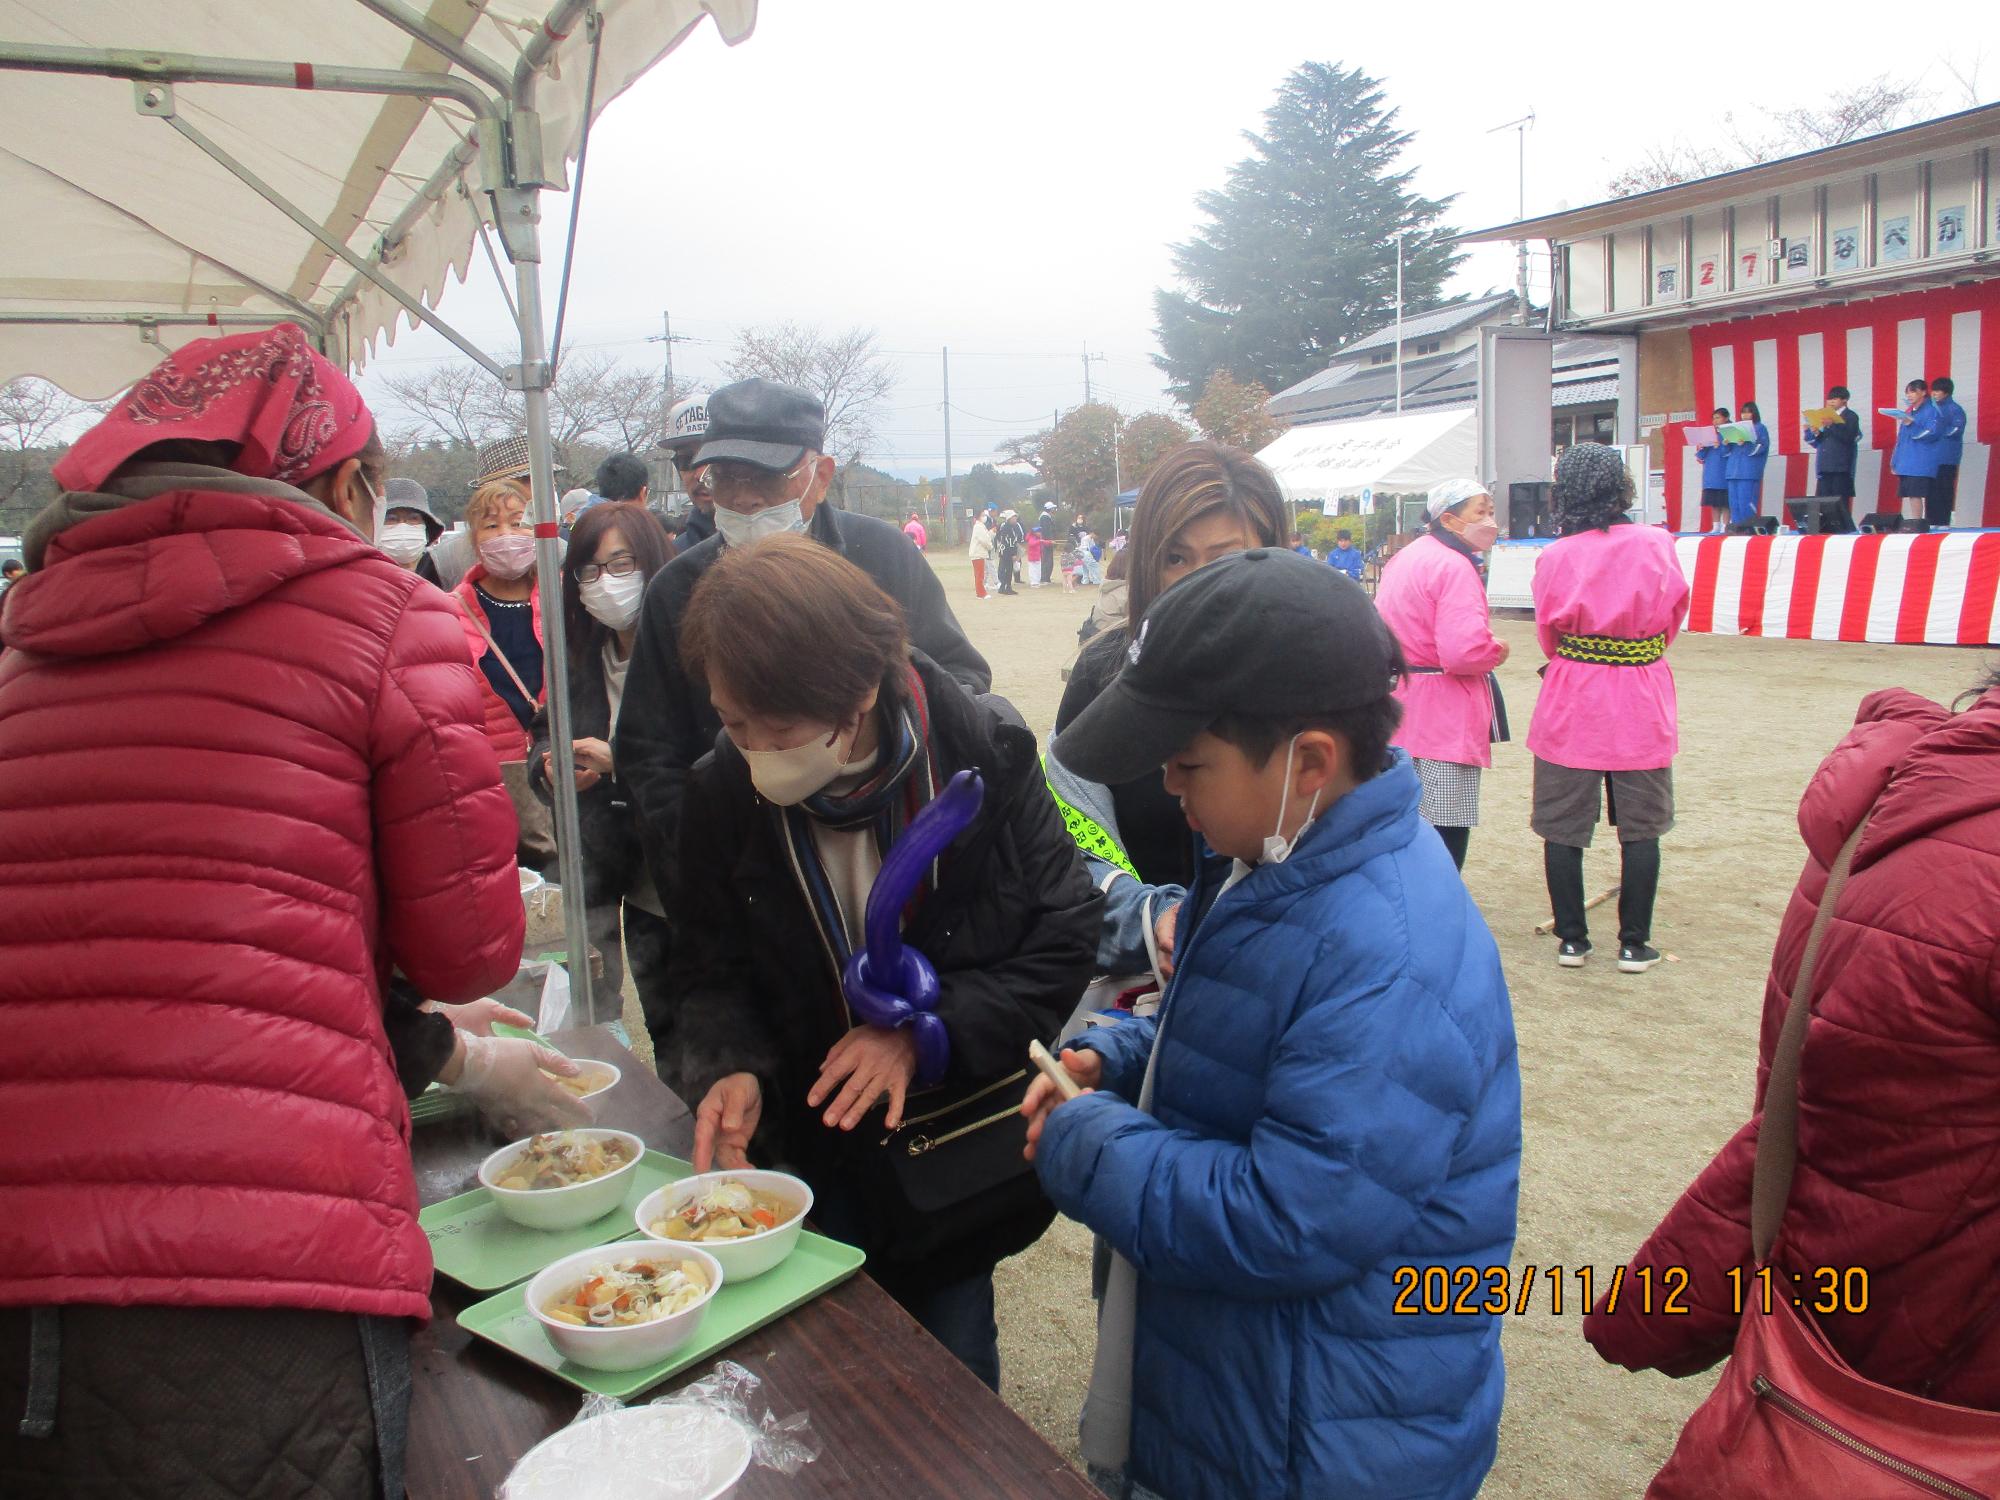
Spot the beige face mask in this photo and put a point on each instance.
(788, 777)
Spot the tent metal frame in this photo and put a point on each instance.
(512, 175)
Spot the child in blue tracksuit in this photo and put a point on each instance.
(1918, 451)
(1746, 469)
(1325, 1116)
(1715, 477)
(1951, 450)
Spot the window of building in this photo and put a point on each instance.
(1382, 357)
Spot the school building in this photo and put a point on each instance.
(1863, 265)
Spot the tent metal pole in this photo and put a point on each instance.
(157, 320)
(532, 379)
(177, 67)
(441, 41)
(451, 170)
(164, 108)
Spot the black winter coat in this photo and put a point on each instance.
(1151, 828)
(608, 826)
(667, 723)
(1011, 930)
(1836, 445)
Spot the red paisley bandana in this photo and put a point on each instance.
(292, 413)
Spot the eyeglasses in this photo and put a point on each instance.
(622, 565)
(727, 481)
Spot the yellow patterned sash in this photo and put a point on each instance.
(1613, 651)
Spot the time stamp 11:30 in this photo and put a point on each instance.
(1465, 1291)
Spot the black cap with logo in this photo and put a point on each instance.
(1266, 633)
(763, 423)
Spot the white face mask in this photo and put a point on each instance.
(788, 777)
(740, 530)
(1277, 848)
(613, 601)
(508, 555)
(403, 541)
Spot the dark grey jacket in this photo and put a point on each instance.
(666, 724)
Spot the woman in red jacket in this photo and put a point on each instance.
(1899, 1093)
(242, 776)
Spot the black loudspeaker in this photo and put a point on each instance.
(1820, 513)
(1530, 511)
(1882, 520)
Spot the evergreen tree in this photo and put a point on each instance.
(1299, 253)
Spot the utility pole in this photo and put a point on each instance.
(1521, 126)
(1399, 321)
(947, 514)
(1086, 374)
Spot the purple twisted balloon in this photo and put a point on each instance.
(888, 984)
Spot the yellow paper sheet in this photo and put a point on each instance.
(1820, 416)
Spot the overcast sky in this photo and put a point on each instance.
(1006, 180)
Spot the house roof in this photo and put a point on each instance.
(1432, 324)
(1965, 130)
(1584, 371)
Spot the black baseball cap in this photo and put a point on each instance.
(1265, 633)
(762, 423)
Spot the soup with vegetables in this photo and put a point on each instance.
(562, 1158)
(725, 1211)
(625, 1293)
(583, 1083)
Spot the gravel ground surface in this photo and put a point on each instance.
(1630, 1083)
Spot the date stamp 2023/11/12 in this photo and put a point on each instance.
(1466, 1291)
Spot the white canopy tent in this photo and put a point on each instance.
(1402, 454)
(176, 170)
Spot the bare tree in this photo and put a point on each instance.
(842, 369)
(34, 415)
(457, 401)
(1869, 108)
(596, 405)
(597, 402)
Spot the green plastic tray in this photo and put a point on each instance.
(816, 1266)
(477, 1246)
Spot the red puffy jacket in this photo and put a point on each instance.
(1899, 1101)
(241, 772)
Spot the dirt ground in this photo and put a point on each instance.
(1630, 1082)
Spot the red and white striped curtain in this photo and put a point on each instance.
(1785, 362)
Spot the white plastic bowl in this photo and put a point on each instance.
(752, 1255)
(561, 1207)
(600, 1075)
(672, 1452)
(618, 1348)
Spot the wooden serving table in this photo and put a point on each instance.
(895, 1414)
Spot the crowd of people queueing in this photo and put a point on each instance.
(260, 835)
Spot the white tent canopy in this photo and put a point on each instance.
(1402, 454)
(386, 142)
(174, 170)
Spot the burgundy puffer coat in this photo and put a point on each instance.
(241, 772)
(1899, 1118)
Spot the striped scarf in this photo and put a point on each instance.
(906, 778)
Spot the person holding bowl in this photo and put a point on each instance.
(836, 738)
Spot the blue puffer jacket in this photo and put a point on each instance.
(1337, 1095)
(1918, 452)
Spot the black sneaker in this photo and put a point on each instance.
(1636, 958)
(1572, 954)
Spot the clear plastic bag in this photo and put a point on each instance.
(689, 1445)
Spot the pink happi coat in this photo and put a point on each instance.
(1624, 582)
(1432, 598)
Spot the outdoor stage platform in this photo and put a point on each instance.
(1937, 588)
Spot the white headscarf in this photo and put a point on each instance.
(1454, 491)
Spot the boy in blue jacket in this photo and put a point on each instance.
(1328, 1104)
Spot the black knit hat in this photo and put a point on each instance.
(1266, 633)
